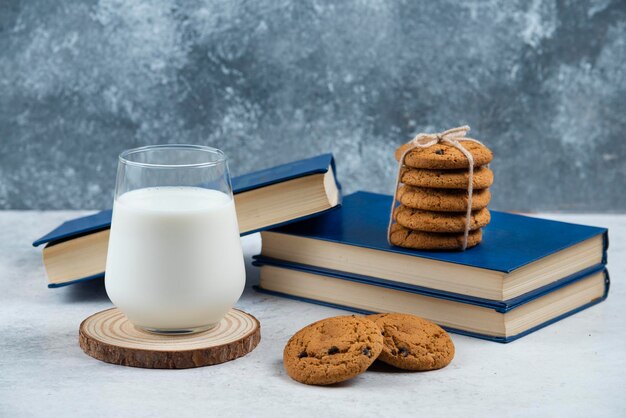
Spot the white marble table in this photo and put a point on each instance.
(576, 367)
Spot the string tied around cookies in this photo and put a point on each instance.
(452, 137)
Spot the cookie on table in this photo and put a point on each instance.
(413, 343)
(446, 179)
(443, 200)
(423, 220)
(422, 240)
(444, 156)
(332, 350)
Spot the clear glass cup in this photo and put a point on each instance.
(175, 263)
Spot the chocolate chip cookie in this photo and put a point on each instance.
(444, 156)
(332, 350)
(422, 240)
(444, 200)
(413, 343)
(446, 179)
(423, 220)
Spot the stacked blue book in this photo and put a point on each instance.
(527, 273)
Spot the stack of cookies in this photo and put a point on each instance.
(433, 197)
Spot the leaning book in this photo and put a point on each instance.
(76, 250)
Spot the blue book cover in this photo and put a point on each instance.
(509, 242)
(102, 220)
(498, 307)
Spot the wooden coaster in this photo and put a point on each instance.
(109, 336)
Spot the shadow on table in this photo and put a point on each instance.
(376, 367)
(92, 290)
(380, 367)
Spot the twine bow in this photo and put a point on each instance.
(452, 137)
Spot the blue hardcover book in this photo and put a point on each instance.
(518, 254)
(477, 318)
(76, 250)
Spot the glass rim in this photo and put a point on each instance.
(124, 156)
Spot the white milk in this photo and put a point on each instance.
(175, 259)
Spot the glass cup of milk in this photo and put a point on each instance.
(175, 263)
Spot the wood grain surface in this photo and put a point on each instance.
(109, 336)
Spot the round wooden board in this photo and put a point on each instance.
(109, 336)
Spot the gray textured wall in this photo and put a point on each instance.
(543, 83)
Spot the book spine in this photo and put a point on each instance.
(333, 166)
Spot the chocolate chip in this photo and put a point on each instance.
(382, 333)
(367, 352)
(404, 351)
(394, 352)
(303, 354)
(439, 152)
(333, 350)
